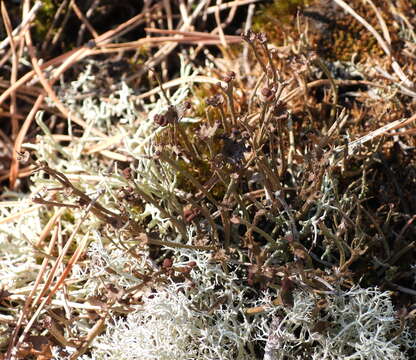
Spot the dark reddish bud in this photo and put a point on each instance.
(192, 264)
(128, 189)
(160, 120)
(157, 119)
(127, 173)
(266, 95)
(190, 213)
(91, 44)
(266, 92)
(167, 263)
(215, 100)
(229, 76)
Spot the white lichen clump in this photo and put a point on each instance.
(354, 324)
(205, 319)
(17, 237)
(200, 318)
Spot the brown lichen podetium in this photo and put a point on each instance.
(228, 91)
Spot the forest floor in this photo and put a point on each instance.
(207, 180)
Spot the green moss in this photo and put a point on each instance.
(200, 93)
(68, 216)
(269, 18)
(44, 19)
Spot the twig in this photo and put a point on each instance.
(15, 64)
(88, 14)
(25, 22)
(83, 18)
(52, 32)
